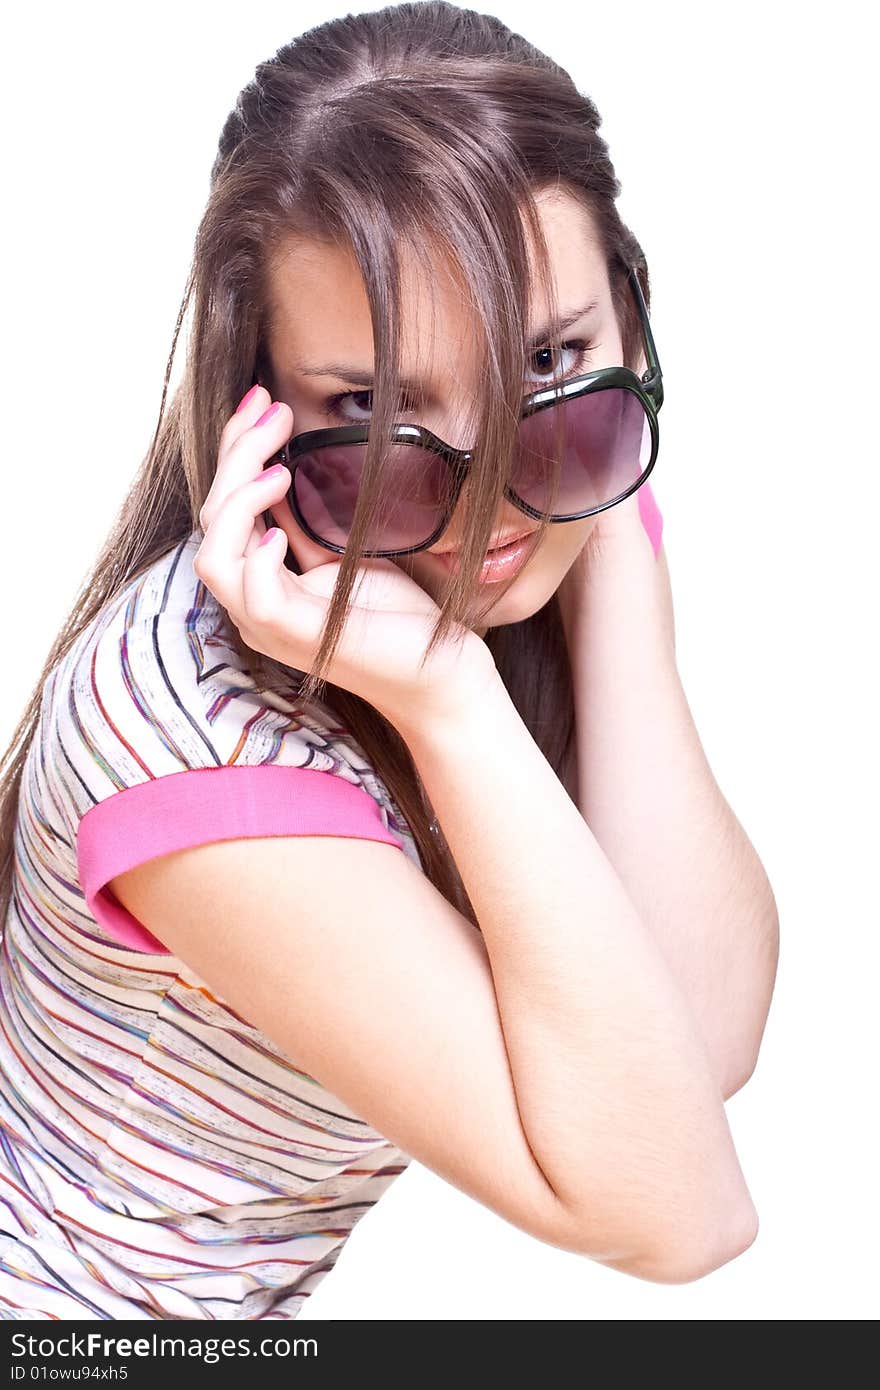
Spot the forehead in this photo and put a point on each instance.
(319, 311)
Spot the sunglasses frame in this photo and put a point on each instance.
(648, 388)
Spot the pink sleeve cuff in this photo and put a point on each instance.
(652, 519)
(182, 809)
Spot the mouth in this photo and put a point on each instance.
(500, 562)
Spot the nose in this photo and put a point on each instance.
(455, 425)
(509, 526)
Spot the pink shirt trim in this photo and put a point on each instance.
(652, 519)
(180, 810)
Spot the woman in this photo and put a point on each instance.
(331, 842)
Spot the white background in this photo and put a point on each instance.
(746, 145)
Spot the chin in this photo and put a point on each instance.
(525, 596)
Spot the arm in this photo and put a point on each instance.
(548, 1065)
(614, 1085)
(648, 794)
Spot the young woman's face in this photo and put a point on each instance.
(321, 356)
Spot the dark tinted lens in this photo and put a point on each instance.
(604, 439)
(327, 482)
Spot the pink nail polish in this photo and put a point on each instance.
(270, 535)
(269, 414)
(274, 471)
(248, 395)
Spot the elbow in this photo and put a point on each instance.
(737, 1074)
(738, 1060)
(678, 1261)
(738, 1054)
(684, 1266)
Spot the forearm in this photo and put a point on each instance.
(615, 1088)
(648, 794)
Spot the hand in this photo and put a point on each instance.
(624, 537)
(621, 567)
(282, 614)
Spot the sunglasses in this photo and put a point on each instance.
(603, 427)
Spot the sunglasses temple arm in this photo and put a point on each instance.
(653, 377)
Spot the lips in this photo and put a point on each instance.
(498, 563)
(509, 540)
(451, 555)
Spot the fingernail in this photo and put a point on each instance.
(270, 535)
(274, 471)
(269, 414)
(246, 397)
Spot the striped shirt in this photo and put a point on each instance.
(159, 1156)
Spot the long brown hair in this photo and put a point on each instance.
(424, 125)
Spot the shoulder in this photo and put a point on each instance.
(153, 685)
(155, 737)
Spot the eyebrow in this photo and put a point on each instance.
(356, 376)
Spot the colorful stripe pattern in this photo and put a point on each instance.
(159, 1156)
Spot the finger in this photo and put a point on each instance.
(306, 551)
(286, 617)
(243, 453)
(275, 610)
(248, 411)
(256, 536)
(222, 553)
(262, 584)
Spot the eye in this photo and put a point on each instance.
(337, 407)
(578, 351)
(355, 407)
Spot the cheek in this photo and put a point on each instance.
(570, 540)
